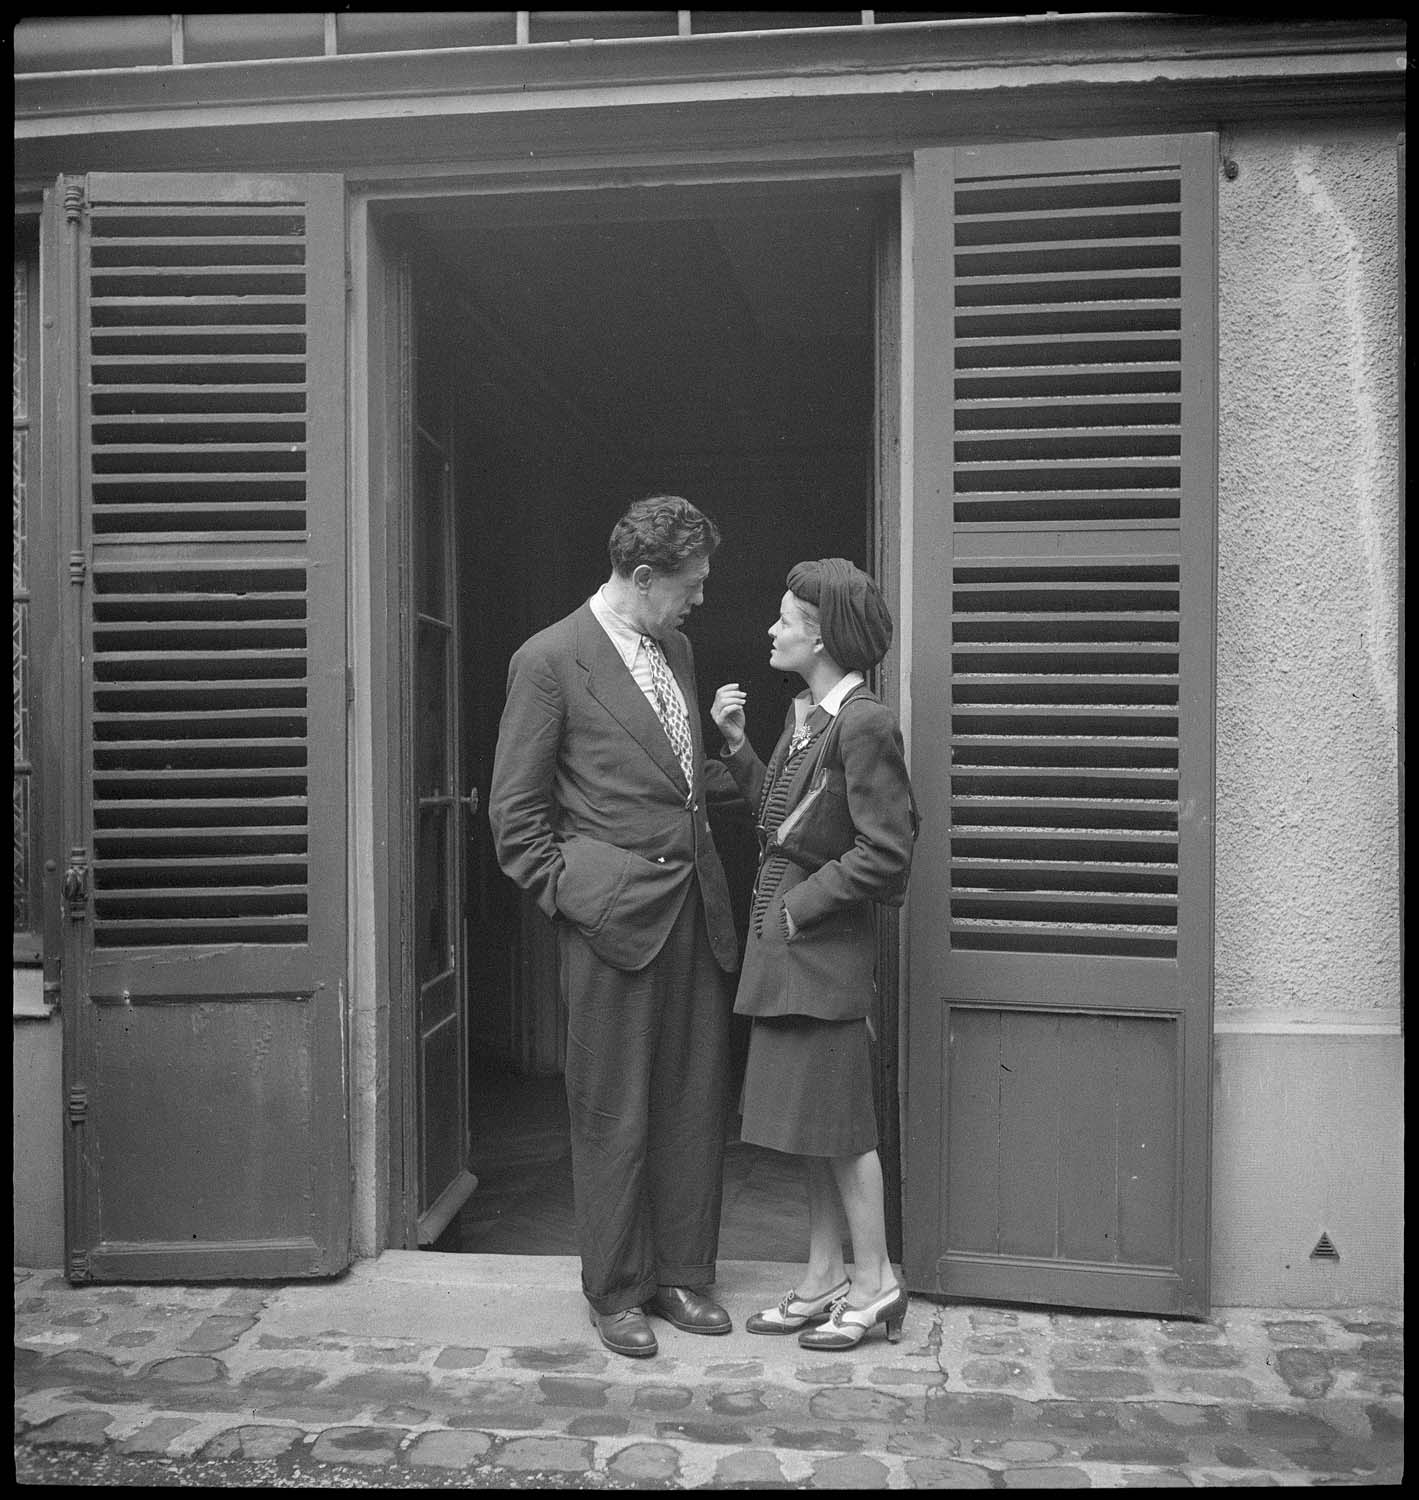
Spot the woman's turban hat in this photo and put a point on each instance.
(853, 617)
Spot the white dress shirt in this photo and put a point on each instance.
(627, 640)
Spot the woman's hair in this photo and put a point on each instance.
(665, 532)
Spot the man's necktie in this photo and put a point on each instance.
(667, 708)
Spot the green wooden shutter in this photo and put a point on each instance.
(1062, 709)
(204, 328)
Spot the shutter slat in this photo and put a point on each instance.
(1127, 844)
(185, 363)
(133, 896)
(142, 812)
(1117, 876)
(214, 862)
(118, 635)
(213, 722)
(125, 659)
(1102, 940)
(278, 691)
(263, 781)
(240, 757)
(1061, 288)
(183, 424)
(174, 929)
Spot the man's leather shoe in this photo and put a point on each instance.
(625, 1332)
(689, 1309)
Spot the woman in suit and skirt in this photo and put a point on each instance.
(836, 823)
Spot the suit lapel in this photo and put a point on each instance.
(609, 681)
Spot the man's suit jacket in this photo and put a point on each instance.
(589, 807)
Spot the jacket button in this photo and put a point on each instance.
(660, 859)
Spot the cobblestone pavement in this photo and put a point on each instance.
(430, 1371)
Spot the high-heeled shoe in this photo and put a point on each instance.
(848, 1326)
(794, 1312)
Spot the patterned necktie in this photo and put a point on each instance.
(668, 709)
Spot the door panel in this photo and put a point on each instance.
(1060, 952)
(197, 401)
(444, 1178)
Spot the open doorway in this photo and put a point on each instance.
(571, 353)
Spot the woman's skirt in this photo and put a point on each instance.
(808, 1087)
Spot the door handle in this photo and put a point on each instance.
(471, 801)
(75, 885)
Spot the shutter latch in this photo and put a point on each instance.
(76, 885)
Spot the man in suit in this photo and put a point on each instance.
(598, 810)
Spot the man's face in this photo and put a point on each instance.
(666, 599)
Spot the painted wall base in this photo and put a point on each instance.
(36, 1103)
(1308, 1139)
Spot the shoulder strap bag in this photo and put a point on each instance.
(799, 835)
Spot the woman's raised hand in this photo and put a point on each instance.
(727, 711)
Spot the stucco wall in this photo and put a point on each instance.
(1307, 824)
(1308, 1075)
(1309, 1141)
(37, 1126)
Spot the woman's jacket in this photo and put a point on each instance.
(864, 816)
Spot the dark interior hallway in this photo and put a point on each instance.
(572, 351)
(523, 1202)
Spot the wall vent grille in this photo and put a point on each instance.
(1325, 1249)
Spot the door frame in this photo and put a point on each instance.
(384, 1103)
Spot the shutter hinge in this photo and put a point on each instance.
(349, 275)
(78, 568)
(76, 885)
(78, 1105)
(74, 201)
(79, 1266)
(349, 686)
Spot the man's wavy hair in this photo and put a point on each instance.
(665, 532)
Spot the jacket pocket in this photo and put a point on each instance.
(593, 876)
(830, 967)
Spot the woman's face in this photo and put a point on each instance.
(794, 635)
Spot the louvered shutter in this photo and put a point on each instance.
(1062, 689)
(202, 340)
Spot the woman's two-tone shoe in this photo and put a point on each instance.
(846, 1326)
(795, 1312)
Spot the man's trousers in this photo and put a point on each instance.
(647, 1089)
